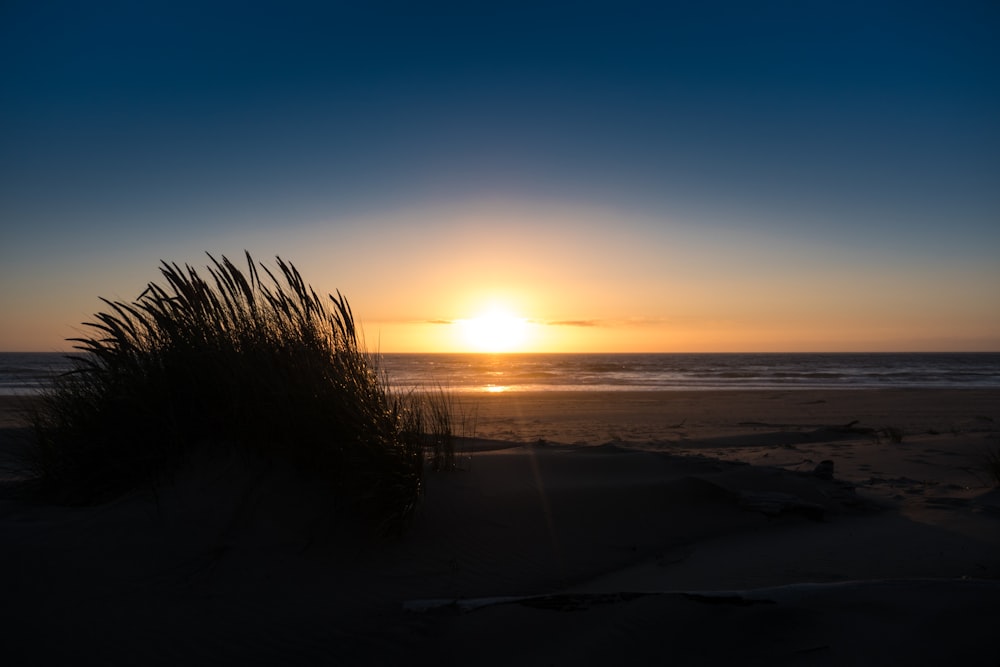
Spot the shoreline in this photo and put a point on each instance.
(571, 417)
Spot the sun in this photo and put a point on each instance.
(496, 330)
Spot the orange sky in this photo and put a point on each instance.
(587, 279)
(582, 279)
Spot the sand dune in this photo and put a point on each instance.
(675, 528)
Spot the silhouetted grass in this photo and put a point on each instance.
(234, 359)
(440, 421)
(893, 434)
(991, 464)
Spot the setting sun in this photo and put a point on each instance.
(496, 330)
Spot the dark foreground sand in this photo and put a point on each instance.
(582, 529)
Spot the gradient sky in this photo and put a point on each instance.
(691, 176)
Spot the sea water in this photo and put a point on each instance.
(635, 372)
(26, 373)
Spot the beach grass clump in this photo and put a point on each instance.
(247, 359)
(893, 434)
(991, 464)
(433, 417)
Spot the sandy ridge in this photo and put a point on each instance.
(710, 542)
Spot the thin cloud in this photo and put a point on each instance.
(635, 321)
(630, 322)
(573, 323)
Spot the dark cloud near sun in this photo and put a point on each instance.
(573, 323)
(548, 323)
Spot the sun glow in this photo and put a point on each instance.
(496, 330)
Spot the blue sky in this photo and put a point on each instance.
(745, 154)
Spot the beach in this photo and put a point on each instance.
(772, 527)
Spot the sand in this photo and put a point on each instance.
(582, 528)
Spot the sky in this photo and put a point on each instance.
(552, 177)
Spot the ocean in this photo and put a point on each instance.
(27, 373)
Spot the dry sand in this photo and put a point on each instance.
(583, 528)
